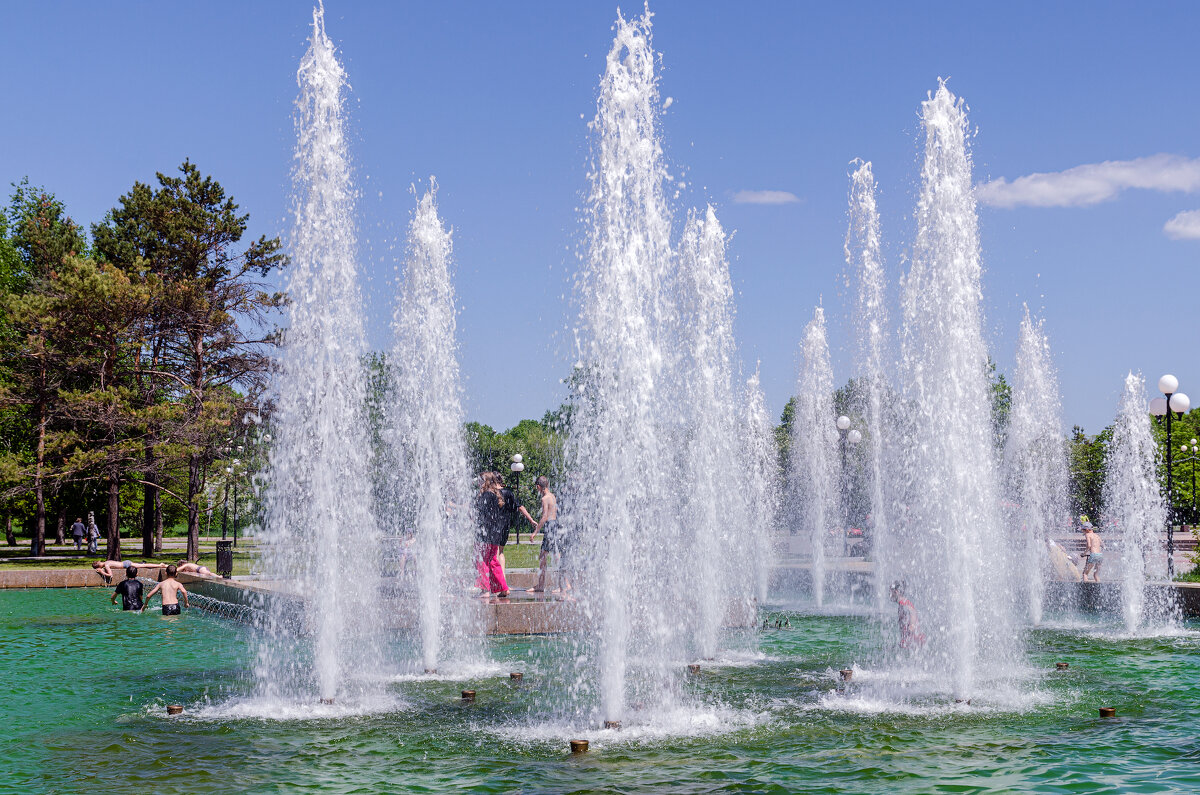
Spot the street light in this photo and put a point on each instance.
(1183, 448)
(517, 466)
(1173, 404)
(849, 436)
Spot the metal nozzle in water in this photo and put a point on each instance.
(468, 695)
(516, 676)
(847, 674)
(612, 724)
(174, 709)
(1062, 666)
(1108, 712)
(579, 746)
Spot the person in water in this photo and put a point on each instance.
(493, 530)
(1095, 552)
(106, 568)
(130, 591)
(552, 540)
(910, 624)
(171, 589)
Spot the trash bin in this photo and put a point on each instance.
(225, 559)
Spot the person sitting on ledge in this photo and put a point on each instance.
(910, 625)
(187, 567)
(171, 588)
(106, 568)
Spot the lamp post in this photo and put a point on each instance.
(849, 438)
(517, 466)
(1192, 459)
(1174, 403)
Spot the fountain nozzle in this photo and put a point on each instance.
(174, 709)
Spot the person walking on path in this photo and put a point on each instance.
(130, 591)
(552, 538)
(93, 538)
(171, 589)
(77, 533)
(493, 525)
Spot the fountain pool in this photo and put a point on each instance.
(85, 688)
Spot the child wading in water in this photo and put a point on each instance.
(910, 625)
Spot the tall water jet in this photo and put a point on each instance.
(1035, 460)
(320, 537)
(1134, 510)
(713, 433)
(945, 548)
(622, 512)
(865, 261)
(760, 463)
(813, 458)
(424, 433)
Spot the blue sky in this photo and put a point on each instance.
(493, 99)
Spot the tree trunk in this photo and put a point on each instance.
(37, 546)
(158, 524)
(149, 503)
(114, 517)
(60, 529)
(9, 538)
(194, 487)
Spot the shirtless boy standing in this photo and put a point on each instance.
(1095, 552)
(552, 539)
(171, 588)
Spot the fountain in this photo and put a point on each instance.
(959, 581)
(717, 517)
(1035, 461)
(813, 458)
(760, 458)
(623, 517)
(423, 423)
(865, 260)
(320, 535)
(1134, 511)
(655, 421)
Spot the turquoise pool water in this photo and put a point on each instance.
(85, 687)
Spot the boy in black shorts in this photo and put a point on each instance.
(171, 588)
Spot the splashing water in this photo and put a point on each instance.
(718, 518)
(1134, 511)
(1035, 460)
(865, 261)
(655, 423)
(424, 435)
(813, 459)
(320, 535)
(946, 536)
(760, 457)
(622, 515)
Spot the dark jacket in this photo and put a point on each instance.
(493, 519)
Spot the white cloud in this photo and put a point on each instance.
(1094, 182)
(764, 197)
(1185, 226)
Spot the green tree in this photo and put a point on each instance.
(211, 329)
(35, 344)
